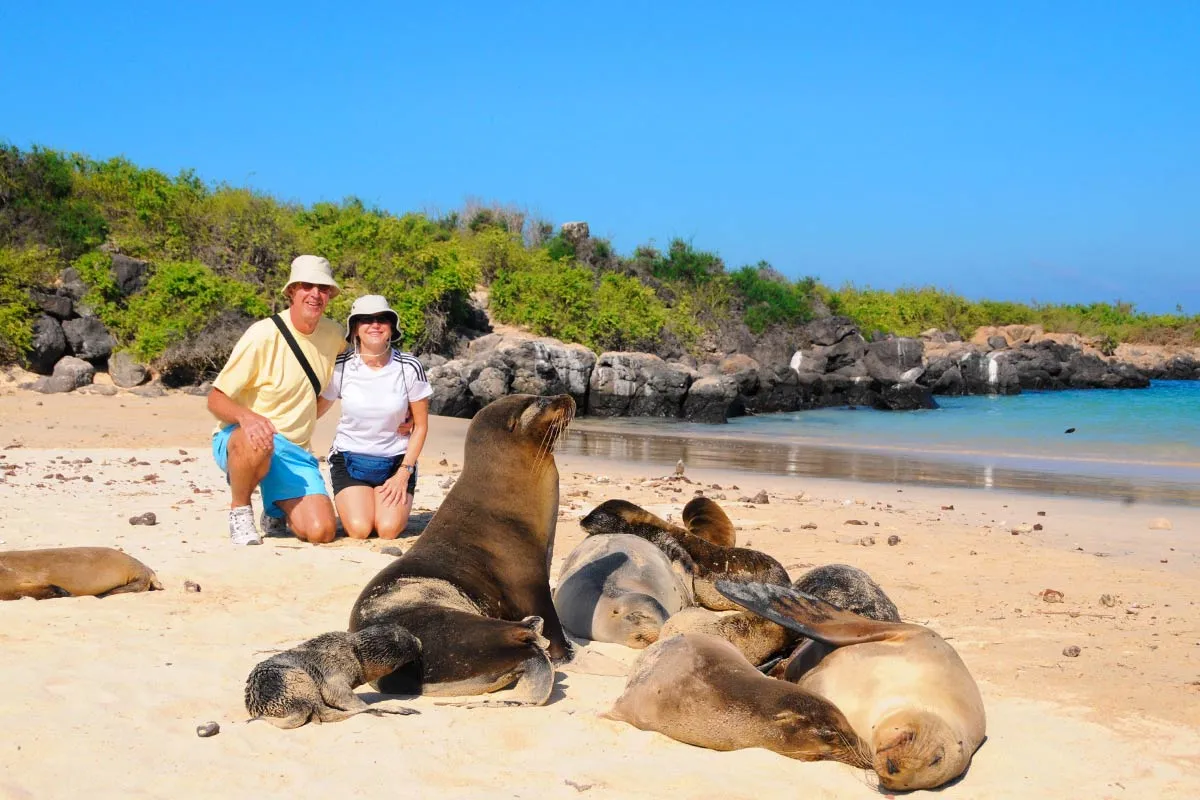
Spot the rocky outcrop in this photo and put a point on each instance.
(76, 370)
(637, 385)
(125, 371)
(49, 345)
(89, 339)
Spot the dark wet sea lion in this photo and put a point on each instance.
(700, 690)
(707, 561)
(72, 572)
(619, 588)
(475, 588)
(315, 681)
(704, 518)
(905, 691)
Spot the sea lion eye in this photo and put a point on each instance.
(936, 760)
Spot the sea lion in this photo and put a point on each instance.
(905, 691)
(72, 572)
(706, 561)
(759, 639)
(756, 638)
(850, 589)
(315, 681)
(619, 588)
(700, 690)
(704, 518)
(475, 588)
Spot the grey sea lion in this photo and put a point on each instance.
(700, 690)
(619, 588)
(707, 561)
(315, 681)
(72, 572)
(905, 691)
(704, 518)
(475, 587)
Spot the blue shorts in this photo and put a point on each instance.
(294, 471)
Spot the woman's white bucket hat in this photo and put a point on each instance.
(369, 305)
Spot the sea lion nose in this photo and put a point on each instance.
(892, 768)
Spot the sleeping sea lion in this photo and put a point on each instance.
(704, 518)
(475, 588)
(619, 588)
(699, 689)
(905, 691)
(707, 561)
(315, 681)
(72, 572)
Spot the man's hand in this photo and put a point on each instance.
(259, 430)
(394, 490)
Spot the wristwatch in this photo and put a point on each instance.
(409, 467)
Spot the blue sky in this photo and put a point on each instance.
(1044, 151)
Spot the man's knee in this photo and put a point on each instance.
(315, 531)
(242, 450)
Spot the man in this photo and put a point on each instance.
(267, 410)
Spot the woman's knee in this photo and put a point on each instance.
(357, 527)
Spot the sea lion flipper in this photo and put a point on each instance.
(806, 614)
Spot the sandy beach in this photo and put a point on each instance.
(102, 696)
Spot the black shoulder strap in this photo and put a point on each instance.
(291, 340)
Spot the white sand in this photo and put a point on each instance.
(101, 698)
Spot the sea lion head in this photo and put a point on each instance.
(917, 750)
(639, 619)
(382, 648)
(538, 422)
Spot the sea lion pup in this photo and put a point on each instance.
(756, 638)
(315, 681)
(698, 689)
(475, 588)
(704, 518)
(850, 589)
(72, 572)
(707, 561)
(905, 691)
(619, 588)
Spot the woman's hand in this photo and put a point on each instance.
(394, 491)
(406, 428)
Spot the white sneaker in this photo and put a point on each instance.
(241, 526)
(273, 526)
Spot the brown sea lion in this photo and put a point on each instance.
(704, 518)
(72, 572)
(904, 690)
(755, 638)
(699, 689)
(707, 561)
(475, 588)
(315, 681)
(619, 588)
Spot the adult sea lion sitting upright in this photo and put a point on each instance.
(475, 588)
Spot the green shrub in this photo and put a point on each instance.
(685, 263)
(549, 298)
(627, 315)
(20, 271)
(772, 299)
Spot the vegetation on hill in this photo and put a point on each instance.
(219, 254)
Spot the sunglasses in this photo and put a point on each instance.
(384, 319)
(308, 287)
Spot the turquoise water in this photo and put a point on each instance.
(1127, 443)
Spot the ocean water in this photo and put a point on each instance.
(1136, 444)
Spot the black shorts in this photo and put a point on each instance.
(341, 479)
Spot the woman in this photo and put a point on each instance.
(373, 466)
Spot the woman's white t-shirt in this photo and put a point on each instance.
(375, 402)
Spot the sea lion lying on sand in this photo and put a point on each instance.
(72, 572)
(706, 561)
(619, 588)
(475, 588)
(315, 681)
(698, 689)
(905, 691)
